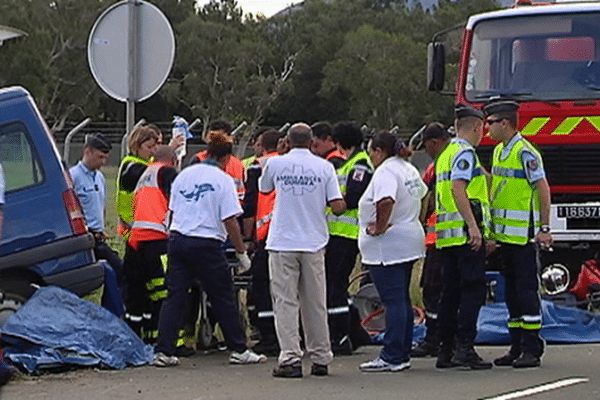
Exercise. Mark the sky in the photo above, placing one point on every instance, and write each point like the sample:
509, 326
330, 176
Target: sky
267, 7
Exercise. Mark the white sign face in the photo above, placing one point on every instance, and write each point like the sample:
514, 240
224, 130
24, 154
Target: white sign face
108, 50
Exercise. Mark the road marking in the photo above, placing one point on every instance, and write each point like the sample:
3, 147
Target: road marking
538, 389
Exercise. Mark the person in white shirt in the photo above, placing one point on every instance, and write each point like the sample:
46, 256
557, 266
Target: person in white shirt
304, 185
391, 239
204, 208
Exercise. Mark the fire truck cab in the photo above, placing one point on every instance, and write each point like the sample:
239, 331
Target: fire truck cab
547, 57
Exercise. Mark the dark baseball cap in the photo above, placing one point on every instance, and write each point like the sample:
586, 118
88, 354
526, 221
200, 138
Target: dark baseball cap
98, 141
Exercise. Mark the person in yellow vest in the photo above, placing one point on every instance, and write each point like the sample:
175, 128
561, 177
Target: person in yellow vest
462, 225
353, 176
435, 139
148, 238
323, 144
258, 210
255, 143
520, 206
142, 144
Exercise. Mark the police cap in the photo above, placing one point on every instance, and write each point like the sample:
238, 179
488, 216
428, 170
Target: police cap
465, 110
98, 141
500, 106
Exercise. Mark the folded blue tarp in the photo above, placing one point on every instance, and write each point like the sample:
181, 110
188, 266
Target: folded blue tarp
559, 324
56, 328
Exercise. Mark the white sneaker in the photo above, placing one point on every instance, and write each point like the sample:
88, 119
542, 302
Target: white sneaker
247, 357
379, 365
163, 360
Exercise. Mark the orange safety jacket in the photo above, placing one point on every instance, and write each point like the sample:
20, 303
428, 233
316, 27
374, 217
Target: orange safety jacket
150, 206
233, 168
264, 205
335, 154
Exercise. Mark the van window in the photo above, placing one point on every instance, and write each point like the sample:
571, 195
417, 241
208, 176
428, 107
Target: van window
21, 168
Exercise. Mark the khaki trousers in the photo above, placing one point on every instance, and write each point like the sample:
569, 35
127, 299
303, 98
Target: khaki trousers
298, 287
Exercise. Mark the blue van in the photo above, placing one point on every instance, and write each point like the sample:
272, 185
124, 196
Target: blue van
44, 239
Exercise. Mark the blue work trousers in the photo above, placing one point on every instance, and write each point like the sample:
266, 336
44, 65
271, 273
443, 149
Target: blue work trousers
193, 258
392, 283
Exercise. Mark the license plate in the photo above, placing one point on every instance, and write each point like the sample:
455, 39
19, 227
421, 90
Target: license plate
578, 212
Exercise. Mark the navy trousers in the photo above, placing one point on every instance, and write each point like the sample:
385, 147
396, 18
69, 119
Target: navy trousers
463, 293
203, 259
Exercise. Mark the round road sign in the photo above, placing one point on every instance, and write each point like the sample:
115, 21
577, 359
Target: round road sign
109, 54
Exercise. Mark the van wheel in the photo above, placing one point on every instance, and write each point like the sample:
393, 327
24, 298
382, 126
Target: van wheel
14, 292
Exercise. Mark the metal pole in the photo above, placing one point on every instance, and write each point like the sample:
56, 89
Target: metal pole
126, 135
132, 77
193, 124
285, 127
72, 132
239, 128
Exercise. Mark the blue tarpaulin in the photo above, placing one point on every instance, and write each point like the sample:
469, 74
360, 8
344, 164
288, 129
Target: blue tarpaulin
560, 324
56, 328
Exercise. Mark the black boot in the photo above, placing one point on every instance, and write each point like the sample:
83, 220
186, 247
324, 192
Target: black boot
467, 357
429, 347
444, 358
515, 349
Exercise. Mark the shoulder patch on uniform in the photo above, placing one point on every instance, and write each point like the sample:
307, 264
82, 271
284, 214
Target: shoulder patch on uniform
532, 165
358, 175
463, 165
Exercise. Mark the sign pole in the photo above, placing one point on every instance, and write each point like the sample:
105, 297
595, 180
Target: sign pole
132, 65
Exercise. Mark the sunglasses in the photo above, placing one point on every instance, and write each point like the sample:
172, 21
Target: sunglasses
493, 121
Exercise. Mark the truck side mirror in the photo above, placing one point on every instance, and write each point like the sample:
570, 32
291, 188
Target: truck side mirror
436, 66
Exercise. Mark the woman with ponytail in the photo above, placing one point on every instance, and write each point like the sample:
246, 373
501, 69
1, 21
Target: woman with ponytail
391, 239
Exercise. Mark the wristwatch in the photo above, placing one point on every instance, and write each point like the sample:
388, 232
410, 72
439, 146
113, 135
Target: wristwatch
545, 228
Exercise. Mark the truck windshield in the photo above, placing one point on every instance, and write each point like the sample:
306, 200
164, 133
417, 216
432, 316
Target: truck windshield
544, 57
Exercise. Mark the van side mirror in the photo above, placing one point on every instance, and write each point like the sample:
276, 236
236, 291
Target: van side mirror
436, 66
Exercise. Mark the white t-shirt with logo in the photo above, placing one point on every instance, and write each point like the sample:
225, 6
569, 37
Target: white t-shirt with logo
202, 197
304, 183
405, 239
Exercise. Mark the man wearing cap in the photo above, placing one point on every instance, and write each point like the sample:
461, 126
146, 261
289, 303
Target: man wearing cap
520, 207
435, 139
462, 208
90, 187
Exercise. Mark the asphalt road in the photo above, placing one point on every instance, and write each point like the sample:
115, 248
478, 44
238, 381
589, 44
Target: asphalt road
209, 376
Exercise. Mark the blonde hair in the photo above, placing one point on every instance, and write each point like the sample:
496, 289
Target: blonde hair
140, 135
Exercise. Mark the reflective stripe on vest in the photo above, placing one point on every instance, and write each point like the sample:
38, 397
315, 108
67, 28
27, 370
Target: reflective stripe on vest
514, 201
450, 226
346, 225
125, 198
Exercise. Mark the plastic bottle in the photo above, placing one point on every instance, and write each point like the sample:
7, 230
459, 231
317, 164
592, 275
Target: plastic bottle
180, 128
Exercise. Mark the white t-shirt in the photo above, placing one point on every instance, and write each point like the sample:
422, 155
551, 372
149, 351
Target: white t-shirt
304, 183
202, 197
405, 239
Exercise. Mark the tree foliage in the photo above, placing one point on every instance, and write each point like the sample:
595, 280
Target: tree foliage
361, 60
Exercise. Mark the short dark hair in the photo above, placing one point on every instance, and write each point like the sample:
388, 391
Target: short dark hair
322, 130
219, 145
220, 125
347, 134
270, 138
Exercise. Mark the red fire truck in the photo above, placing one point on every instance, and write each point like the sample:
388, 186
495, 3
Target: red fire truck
547, 57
